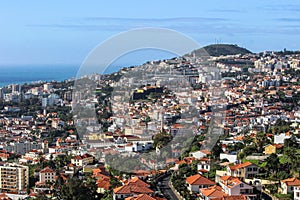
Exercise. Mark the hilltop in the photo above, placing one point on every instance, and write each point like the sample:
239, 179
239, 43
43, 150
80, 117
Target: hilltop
222, 49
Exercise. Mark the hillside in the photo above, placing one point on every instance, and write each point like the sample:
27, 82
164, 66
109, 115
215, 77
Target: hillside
222, 49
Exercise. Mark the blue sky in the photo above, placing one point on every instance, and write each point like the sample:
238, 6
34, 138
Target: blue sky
64, 32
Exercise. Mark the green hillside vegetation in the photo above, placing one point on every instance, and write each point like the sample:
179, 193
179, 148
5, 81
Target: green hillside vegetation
221, 49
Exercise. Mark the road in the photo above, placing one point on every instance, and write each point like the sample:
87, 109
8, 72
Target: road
165, 188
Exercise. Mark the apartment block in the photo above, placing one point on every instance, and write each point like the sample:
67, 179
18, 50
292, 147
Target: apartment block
13, 177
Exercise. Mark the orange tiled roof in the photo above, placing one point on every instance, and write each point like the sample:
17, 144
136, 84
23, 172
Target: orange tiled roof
214, 191
230, 181
291, 182
138, 182
241, 165
199, 180
47, 170
141, 197
103, 183
236, 197
3, 196
132, 189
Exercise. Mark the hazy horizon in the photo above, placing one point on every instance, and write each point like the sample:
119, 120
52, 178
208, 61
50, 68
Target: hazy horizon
59, 33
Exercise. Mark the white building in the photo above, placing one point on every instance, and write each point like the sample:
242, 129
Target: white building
279, 139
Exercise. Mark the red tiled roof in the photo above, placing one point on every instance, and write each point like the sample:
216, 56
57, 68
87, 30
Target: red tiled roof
47, 170
103, 183
138, 182
241, 165
141, 197
291, 182
199, 180
214, 191
132, 189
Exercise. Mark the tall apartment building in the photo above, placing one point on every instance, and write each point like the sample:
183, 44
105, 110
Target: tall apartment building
13, 177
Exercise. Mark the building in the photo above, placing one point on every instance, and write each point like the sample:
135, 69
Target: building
13, 177
20, 147
211, 193
196, 182
83, 160
243, 170
48, 86
233, 186
288, 185
297, 193
133, 187
203, 165
269, 149
47, 175
279, 139
200, 154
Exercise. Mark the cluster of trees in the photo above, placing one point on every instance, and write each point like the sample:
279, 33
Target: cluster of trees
178, 179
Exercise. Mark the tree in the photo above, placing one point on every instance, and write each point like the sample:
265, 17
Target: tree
272, 163
77, 189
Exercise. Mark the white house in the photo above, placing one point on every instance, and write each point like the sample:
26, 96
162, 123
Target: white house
233, 186
231, 157
288, 185
47, 175
196, 182
200, 154
203, 165
243, 170
279, 139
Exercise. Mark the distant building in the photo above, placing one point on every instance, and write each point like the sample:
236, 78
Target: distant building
20, 147
83, 160
15, 88
50, 100
279, 139
48, 86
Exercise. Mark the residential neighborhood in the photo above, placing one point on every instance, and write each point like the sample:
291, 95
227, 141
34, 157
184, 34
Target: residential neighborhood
237, 127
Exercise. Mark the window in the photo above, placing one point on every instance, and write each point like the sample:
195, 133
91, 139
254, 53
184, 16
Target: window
241, 185
255, 169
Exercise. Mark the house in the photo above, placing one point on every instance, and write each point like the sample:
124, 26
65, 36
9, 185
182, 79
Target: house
211, 193
103, 185
3, 196
197, 181
269, 149
200, 154
203, 165
289, 184
297, 193
233, 186
279, 139
144, 197
272, 148
243, 170
230, 157
238, 197
133, 187
83, 160
47, 175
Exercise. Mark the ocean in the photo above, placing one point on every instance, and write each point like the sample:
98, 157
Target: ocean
29, 74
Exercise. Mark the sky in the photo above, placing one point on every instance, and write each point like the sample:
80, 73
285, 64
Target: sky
59, 32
